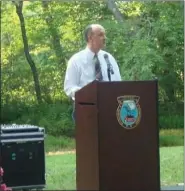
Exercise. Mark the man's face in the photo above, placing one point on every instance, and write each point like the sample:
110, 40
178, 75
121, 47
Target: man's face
97, 38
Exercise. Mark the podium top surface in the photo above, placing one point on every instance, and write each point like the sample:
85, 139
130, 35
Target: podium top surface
92, 91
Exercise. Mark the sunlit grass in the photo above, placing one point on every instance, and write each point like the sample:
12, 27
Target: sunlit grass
61, 169
178, 132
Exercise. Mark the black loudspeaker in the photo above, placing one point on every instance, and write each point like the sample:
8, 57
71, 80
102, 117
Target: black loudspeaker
22, 156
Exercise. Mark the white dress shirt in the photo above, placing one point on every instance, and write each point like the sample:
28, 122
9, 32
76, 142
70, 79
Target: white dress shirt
81, 70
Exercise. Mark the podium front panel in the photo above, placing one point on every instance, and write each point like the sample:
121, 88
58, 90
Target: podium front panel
87, 161
128, 153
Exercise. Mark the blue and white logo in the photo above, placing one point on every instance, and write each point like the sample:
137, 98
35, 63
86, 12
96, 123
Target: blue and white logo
128, 111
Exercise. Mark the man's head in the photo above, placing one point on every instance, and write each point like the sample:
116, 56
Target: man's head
95, 37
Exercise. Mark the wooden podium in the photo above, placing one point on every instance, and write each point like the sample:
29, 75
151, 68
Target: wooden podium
117, 137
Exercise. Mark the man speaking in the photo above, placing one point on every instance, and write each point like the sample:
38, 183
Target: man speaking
90, 64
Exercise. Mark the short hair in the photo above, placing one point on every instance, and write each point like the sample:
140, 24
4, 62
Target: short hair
87, 31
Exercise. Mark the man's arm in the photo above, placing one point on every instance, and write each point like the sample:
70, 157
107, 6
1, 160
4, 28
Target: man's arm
72, 79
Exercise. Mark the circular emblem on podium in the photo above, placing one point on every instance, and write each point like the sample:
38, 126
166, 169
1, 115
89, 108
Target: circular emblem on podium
129, 111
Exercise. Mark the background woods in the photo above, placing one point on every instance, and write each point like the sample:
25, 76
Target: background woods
37, 39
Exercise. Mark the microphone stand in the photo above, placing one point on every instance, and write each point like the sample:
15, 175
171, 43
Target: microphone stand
109, 67
109, 71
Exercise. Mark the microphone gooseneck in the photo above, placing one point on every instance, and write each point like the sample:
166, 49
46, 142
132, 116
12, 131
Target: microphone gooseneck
109, 66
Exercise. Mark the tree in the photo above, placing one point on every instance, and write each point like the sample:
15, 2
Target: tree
53, 32
31, 63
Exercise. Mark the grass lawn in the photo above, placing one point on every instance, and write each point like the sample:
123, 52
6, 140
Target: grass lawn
61, 169
171, 137
168, 138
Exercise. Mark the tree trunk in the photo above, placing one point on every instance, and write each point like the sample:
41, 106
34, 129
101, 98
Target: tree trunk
114, 9
54, 33
19, 6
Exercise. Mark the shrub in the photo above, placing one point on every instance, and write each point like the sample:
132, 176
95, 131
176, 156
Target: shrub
57, 121
171, 140
171, 122
55, 118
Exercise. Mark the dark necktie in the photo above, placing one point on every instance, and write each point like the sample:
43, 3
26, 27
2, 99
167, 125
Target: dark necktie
98, 72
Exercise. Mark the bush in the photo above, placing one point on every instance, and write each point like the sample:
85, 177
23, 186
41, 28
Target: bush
55, 118
171, 140
57, 121
171, 122
171, 115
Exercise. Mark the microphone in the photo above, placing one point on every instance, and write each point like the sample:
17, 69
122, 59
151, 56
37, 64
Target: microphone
109, 65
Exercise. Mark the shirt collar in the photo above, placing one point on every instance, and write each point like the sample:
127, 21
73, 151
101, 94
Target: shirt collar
90, 53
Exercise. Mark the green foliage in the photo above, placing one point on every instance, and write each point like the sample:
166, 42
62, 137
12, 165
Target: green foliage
149, 43
171, 140
55, 118
171, 115
168, 122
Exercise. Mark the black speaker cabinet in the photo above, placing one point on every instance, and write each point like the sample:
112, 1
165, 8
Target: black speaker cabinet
23, 156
